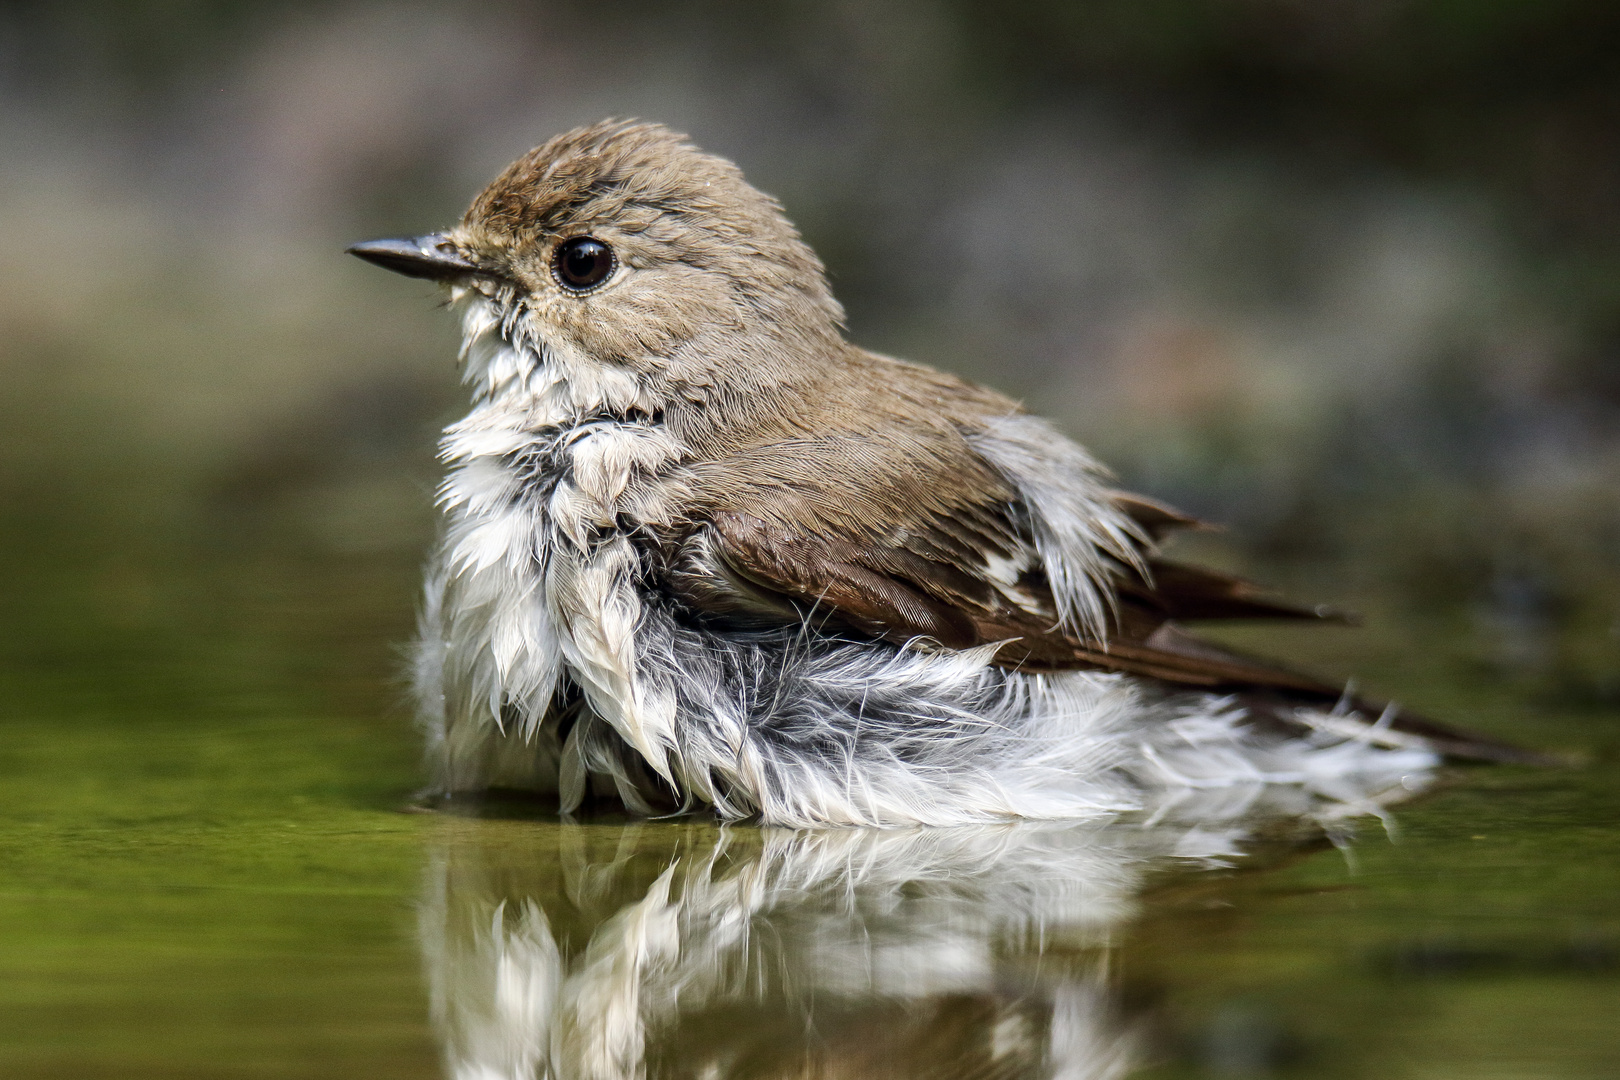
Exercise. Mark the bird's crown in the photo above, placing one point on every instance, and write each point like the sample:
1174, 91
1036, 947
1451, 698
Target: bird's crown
655, 203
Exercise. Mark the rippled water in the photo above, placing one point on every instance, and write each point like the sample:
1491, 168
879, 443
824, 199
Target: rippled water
210, 870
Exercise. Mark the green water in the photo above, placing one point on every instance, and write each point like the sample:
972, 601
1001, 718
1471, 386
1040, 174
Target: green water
208, 872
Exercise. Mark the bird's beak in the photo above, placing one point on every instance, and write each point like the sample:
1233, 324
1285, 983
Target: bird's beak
433, 256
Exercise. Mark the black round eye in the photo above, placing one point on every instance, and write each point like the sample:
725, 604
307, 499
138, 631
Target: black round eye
582, 263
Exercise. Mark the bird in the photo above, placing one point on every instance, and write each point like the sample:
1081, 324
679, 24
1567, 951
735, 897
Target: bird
700, 553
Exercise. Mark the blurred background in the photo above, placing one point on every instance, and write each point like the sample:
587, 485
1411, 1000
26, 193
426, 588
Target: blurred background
1343, 274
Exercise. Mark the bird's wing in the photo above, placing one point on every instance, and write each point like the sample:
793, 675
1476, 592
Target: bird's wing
894, 550
945, 572
956, 564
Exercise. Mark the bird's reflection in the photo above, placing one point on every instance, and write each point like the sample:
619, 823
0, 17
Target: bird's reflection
687, 950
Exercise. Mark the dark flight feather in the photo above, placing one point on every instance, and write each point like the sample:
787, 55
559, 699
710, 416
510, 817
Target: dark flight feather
932, 580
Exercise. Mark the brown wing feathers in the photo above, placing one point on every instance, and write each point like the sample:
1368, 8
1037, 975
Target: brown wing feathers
923, 540
928, 581
867, 588
931, 578
1177, 591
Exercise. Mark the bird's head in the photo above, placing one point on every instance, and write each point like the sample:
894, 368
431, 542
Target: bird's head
621, 244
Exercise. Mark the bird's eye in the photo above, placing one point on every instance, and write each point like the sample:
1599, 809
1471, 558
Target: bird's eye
582, 263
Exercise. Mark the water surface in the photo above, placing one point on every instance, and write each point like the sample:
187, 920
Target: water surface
210, 870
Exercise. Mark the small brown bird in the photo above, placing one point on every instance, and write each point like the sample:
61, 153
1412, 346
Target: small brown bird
700, 549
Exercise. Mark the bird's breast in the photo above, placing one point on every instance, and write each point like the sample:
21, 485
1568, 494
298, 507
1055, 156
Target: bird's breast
572, 482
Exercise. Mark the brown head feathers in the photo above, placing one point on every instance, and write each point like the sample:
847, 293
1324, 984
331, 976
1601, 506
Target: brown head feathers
698, 251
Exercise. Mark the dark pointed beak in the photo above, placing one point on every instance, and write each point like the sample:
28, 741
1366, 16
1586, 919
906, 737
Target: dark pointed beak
432, 256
